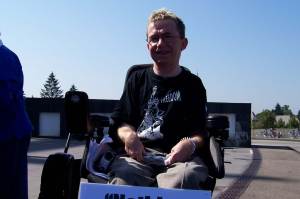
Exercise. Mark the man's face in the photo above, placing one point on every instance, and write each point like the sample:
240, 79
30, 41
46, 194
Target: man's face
164, 42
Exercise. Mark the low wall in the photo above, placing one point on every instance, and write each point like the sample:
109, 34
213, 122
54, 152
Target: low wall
47, 115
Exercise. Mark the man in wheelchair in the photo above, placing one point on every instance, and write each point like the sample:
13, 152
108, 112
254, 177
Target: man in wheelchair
161, 133
160, 119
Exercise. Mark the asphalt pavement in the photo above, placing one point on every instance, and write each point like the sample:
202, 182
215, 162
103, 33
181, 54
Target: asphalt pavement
242, 164
278, 175
259, 173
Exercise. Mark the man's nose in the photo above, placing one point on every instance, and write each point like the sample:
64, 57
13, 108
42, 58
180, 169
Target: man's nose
161, 41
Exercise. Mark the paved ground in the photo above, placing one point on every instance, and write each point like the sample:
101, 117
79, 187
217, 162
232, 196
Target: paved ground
278, 175
273, 172
242, 164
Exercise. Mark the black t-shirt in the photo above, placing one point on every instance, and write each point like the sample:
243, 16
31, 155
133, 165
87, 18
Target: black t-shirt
163, 110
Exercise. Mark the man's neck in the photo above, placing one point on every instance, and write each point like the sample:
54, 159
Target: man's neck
166, 71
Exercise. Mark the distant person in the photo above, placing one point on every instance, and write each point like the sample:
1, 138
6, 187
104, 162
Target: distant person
15, 128
161, 115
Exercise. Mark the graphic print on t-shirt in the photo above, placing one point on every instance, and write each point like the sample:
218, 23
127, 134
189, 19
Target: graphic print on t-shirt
153, 119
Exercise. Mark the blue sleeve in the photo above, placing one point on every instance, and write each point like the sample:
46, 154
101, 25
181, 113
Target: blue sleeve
6, 96
11, 82
14, 121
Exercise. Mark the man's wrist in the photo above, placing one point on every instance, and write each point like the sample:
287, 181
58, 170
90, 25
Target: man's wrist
192, 142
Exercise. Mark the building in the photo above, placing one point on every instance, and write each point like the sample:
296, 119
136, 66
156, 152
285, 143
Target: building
284, 118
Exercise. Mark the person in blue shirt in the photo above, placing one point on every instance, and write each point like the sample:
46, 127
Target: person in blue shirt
15, 128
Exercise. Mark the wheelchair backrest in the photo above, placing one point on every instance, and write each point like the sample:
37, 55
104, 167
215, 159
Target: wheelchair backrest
76, 112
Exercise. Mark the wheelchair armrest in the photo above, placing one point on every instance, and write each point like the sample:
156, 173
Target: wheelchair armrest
217, 126
98, 126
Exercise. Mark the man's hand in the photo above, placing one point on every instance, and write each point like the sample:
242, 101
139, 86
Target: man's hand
133, 145
181, 152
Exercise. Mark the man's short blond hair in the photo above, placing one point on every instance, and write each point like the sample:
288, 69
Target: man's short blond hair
162, 14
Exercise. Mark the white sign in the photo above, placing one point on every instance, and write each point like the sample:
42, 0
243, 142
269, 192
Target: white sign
106, 191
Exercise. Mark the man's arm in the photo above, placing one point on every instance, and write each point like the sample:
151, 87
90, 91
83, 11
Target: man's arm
133, 145
196, 116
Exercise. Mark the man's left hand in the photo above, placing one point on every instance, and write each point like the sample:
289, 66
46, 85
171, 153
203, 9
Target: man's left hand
181, 152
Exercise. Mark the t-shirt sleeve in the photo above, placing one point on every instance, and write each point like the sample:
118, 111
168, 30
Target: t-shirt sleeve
126, 109
196, 116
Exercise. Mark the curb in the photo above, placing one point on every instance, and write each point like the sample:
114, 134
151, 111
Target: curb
277, 139
276, 147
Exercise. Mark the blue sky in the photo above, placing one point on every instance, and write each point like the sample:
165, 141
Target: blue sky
244, 51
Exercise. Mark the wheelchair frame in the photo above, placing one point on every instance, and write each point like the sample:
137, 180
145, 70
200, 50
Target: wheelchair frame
81, 125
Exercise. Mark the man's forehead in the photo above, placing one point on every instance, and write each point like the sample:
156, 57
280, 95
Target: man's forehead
162, 26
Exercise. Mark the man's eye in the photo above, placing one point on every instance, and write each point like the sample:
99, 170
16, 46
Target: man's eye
154, 39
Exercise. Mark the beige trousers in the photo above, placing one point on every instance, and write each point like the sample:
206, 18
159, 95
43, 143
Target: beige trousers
184, 175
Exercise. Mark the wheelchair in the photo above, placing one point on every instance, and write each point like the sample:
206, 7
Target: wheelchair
93, 127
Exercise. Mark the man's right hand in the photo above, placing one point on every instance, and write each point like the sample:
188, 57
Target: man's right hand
133, 145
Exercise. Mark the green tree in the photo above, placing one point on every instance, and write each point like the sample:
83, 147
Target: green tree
286, 110
293, 123
298, 115
73, 88
265, 119
278, 110
51, 88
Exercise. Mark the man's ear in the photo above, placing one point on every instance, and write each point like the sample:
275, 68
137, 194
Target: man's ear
148, 46
184, 43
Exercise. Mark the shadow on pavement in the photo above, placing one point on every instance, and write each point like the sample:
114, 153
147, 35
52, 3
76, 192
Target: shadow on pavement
265, 178
275, 147
36, 160
44, 144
